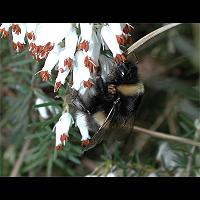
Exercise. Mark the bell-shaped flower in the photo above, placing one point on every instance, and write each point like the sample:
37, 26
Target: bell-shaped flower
117, 29
51, 32
86, 34
92, 55
110, 39
50, 62
31, 31
18, 33
80, 72
81, 122
167, 156
4, 29
67, 55
60, 80
48, 35
62, 128
42, 110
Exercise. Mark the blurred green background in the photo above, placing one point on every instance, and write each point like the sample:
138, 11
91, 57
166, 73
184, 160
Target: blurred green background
169, 67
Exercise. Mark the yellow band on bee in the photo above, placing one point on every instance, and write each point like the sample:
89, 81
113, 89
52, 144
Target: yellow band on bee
100, 117
131, 89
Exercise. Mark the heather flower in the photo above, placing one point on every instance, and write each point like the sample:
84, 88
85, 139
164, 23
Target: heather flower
70, 48
62, 128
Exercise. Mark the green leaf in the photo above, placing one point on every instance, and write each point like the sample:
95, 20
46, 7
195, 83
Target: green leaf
74, 159
50, 166
35, 164
36, 135
51, 103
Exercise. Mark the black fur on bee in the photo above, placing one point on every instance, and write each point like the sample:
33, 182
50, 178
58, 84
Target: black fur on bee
112, 103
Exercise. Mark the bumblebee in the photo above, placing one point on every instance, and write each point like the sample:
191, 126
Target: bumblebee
111, 105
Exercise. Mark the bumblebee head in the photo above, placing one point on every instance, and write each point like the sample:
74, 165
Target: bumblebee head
124, 73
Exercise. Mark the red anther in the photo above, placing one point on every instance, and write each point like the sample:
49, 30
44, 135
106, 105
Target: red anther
29, 35
129, 40
90, 63
85, 143
68, 63
61, 70
83, 45
44, 74
120, 58
16, 29
121, 39
59, 147
14, 45
20, 46
4, 32
88, 84
57, 86
127, 29
64, 137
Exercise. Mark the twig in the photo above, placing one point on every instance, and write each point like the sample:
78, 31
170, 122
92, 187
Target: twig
149, 36
191, 156
166, 136
190, 162
20, 160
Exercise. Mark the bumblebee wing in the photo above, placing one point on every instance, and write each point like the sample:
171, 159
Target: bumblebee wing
99, 135
96, 139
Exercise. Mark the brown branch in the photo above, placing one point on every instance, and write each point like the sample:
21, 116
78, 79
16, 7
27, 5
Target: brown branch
165, 136
20, 160
149, 36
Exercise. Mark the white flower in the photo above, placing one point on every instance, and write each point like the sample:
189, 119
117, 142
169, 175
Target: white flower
60, 80
166, 156
82, 125
4, 29
111, 174
51, 32
92, 55
152, 174
117, 29
86, 31
19, 33
42, 110
61, 128
53, 110
50, 62
110, 40
67, 55
86, 34
31, 31
47, 36
80, 72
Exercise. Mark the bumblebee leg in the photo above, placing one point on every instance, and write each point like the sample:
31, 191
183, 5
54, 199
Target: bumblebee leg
77, 102
112, 89
105, 91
